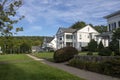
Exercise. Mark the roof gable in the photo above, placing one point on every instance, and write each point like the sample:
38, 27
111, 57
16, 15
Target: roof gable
88, 29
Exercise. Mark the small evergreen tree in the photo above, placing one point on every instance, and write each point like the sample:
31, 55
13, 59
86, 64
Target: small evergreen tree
100, 46
92, 45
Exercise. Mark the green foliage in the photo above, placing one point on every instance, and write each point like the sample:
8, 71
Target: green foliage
114, 44
105, 52
90, 53
101, 28
64, 54
110, 67
92, 45
7, 13
25, 48
100, 46
21, 67
12, 44
78, 25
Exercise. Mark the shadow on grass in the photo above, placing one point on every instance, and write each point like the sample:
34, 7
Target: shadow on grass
32, 71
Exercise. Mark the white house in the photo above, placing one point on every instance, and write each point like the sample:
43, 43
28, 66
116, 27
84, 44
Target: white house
113, 21
76, 38
49, 42
64, 37
83, 36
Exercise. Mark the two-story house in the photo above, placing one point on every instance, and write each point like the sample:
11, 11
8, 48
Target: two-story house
77, 38
64, 37
83, 36
113, 21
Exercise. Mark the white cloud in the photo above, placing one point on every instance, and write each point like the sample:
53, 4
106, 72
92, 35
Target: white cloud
51, 12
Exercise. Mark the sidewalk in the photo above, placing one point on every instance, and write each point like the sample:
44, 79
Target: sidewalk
78, 72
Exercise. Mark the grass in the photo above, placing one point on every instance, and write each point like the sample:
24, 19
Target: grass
49, 55
85, 53
45, 55
31, 70
13, 57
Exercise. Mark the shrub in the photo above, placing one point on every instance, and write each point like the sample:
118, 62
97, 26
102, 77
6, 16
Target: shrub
64, 54
100, 46
77, 63
92, 46
89, 53
105, 52
110, 67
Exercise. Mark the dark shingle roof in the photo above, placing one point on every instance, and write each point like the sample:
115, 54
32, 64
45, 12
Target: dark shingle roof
68, 30
104, 34
113, 14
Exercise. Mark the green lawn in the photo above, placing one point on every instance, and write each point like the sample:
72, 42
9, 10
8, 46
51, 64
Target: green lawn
29, 69
85, 53
45, 55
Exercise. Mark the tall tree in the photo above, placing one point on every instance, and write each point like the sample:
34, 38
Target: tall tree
101, 28
8, 10
114, 44
78, 25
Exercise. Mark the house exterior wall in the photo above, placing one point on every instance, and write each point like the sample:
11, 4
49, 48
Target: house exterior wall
105, 41
62, 40
53, 44
83, 37
113, 22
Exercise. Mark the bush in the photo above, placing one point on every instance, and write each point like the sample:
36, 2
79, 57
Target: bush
92, 46
64, 54
89, 53
110, 67
100, 46
105, 52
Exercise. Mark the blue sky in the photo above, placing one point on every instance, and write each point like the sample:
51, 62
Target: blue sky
44, 17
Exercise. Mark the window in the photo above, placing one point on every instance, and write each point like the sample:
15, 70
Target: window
80, 36
88, 29
114, 25
80, 44
109, 27
69, 36
60, 38
119, 24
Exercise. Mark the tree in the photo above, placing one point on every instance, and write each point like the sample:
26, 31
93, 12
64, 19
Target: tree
114, 44
101, 28
92, 45
8, 10
25, 47
100, 46
78, 25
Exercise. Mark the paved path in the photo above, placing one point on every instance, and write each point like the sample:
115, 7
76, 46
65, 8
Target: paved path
78, 72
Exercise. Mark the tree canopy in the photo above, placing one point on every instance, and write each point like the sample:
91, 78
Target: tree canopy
78, 25
101, 28
8, 14
81, 24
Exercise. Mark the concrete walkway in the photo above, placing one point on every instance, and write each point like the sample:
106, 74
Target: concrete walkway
78, 72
